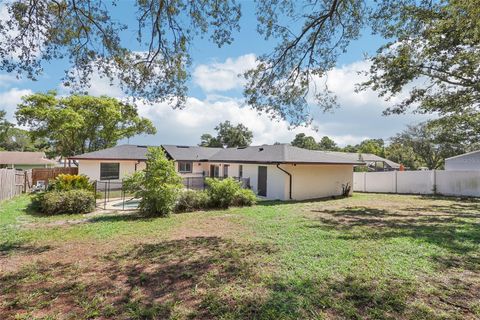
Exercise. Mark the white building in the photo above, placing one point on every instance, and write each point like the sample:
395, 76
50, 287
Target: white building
464, 162
279, 172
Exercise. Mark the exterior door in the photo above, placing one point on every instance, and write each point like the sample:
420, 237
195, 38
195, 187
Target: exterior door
262, 181
214, 171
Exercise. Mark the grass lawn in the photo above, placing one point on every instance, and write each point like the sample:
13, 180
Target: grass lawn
370, 256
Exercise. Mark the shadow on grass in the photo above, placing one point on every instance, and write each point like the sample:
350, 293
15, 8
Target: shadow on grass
458, 233
8, 248
267, 203
196, 278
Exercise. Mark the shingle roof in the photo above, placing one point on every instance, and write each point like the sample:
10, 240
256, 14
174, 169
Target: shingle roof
121, 152
282, 153
190, 153
18, 157
366, 157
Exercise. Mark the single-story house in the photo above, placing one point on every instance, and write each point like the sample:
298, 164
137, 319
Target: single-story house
25, 160
274, 171
465, 162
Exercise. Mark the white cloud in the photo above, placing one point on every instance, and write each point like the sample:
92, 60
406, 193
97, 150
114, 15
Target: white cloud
223, 76
201, 116
9, 100
359, 116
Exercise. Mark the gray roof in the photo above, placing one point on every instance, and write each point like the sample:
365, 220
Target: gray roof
121, 152
365, 157
19, 157
464, 155
190, 153
282, 153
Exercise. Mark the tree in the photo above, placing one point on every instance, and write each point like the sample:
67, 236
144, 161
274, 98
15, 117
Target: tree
5, 127
428, 143
207, 140
435, 55
306, 142
373, 146
327, 144
403, 154
79, 123
437, 40
158, 186
84, 32
228, 135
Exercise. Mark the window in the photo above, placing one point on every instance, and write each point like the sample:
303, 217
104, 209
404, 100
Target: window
225, 170
184, 166
240, 171
109, 171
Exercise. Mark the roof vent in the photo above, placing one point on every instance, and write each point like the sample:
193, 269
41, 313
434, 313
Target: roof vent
260, 149
142, 147
184, 147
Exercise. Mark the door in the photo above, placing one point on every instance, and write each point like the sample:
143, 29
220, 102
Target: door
212, 171
262, 181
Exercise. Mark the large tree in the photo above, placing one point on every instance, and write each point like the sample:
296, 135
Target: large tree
327, 144
434, 56
79, 123
433, 40
428, 142
5, 127
228, 135
301, 140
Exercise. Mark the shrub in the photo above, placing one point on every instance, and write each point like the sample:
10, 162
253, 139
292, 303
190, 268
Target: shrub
60, 202
66, 182
222, 192
158, 186
191, 200
244, 197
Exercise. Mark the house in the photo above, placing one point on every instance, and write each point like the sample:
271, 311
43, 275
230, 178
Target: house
465, 162
372, 161
274, 171
25, 160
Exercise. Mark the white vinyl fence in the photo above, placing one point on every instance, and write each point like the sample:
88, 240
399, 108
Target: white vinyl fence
454, 183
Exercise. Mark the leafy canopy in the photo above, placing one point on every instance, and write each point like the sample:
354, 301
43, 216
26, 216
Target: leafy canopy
433, 48
301, 140
78, 123
228, 135
428, 143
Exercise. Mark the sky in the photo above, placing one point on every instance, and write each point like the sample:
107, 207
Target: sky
215, 93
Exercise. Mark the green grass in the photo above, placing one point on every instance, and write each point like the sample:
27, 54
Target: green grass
370, 256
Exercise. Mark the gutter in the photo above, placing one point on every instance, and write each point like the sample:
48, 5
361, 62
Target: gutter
290, 181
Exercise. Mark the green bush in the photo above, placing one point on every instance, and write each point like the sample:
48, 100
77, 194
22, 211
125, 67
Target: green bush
158, 186
66, 182
244, 197
62, 202
191, 200
222, 192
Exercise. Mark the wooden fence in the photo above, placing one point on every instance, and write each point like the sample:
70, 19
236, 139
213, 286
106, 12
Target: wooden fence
46, 174
13, 182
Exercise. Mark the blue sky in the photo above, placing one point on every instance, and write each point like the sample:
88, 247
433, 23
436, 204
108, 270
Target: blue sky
215, 92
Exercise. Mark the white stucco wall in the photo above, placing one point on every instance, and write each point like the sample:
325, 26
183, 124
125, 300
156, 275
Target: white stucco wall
319, 181
470, 161
91, 168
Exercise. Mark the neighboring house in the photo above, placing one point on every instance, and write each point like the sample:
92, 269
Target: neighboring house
464, 162
25, 160
372, 161
275, 171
